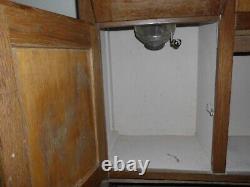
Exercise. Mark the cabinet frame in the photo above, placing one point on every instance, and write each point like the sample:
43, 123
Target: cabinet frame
225, 13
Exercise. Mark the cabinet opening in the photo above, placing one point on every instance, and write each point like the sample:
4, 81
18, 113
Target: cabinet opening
159, 104
238, 159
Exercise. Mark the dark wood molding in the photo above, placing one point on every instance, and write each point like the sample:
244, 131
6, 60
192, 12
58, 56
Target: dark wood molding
123, 10
85, 11
94, 180
242, 34
223, 87
243, 21
183, 176
179, 21
242, 44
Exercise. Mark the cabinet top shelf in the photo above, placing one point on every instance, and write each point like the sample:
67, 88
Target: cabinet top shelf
123, 10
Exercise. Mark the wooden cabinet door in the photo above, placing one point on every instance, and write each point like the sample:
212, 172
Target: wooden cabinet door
51, 101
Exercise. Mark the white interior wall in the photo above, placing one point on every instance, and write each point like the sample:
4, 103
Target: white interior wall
240, 98
65, 7
140, 82
238, 152
153, 92
207, 55
112, 135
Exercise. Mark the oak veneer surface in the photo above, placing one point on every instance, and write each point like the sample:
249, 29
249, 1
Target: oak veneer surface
242, 35
85, 11
124, 10
55, 93
243, 6
32, 27
242, 44
14, 160
243, 21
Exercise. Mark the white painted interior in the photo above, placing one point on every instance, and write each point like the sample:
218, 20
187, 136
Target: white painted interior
164, 152
65, 7
156, 100
240, 98
154, 92
112, 134
238, 159
207, 55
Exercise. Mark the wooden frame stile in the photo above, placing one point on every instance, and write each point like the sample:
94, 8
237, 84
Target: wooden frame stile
223, 87
99, 117
86, 13
98, 103
14, 159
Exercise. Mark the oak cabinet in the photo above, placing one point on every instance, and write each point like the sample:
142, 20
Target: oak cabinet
54, 70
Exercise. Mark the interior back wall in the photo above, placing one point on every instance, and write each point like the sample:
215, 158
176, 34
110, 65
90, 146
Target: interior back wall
153, 92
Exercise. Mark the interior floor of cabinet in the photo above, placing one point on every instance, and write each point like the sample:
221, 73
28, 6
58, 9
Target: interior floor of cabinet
164, 152
238, 156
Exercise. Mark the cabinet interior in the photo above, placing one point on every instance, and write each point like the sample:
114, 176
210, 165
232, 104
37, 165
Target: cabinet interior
157, 102
238, 159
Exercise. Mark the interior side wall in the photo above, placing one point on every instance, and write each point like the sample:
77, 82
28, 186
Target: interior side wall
152, 92
112, 135
240, 102
206, 83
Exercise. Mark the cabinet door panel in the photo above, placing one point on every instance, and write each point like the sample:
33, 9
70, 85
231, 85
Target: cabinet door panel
51, 114
55, 93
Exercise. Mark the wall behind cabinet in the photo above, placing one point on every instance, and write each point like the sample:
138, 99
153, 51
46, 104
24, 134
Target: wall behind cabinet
65, 7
